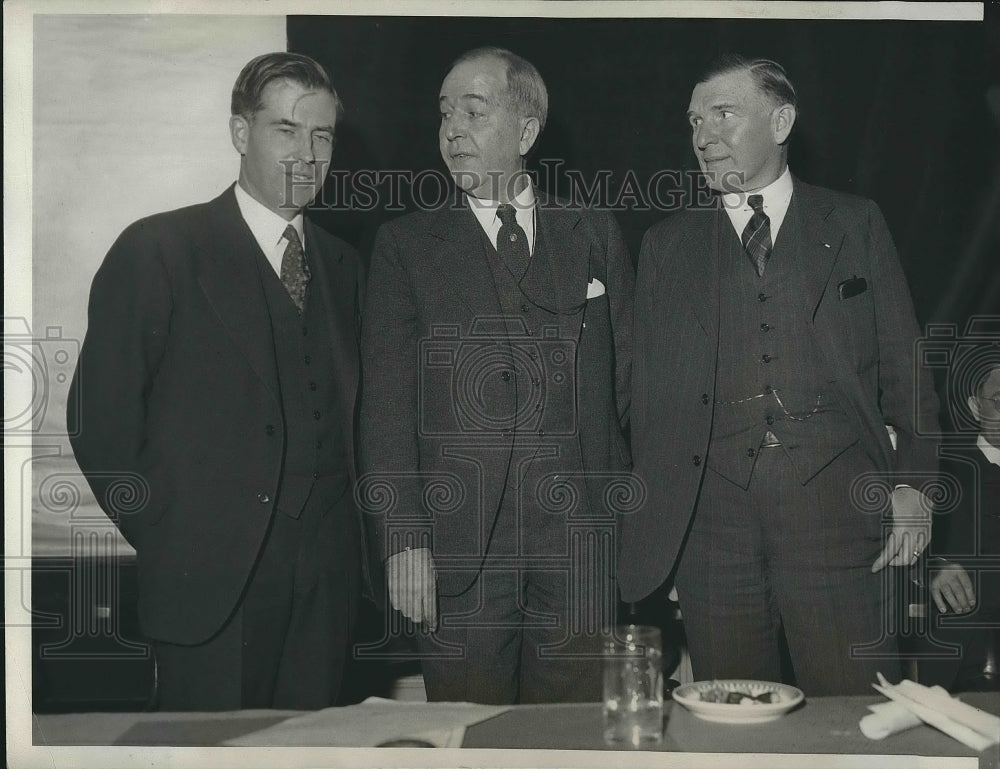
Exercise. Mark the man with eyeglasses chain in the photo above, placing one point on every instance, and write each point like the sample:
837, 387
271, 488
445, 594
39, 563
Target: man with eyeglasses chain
774, 343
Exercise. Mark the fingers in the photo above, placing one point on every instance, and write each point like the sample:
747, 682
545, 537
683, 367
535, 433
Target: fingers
953, 588
412, 586
903, 547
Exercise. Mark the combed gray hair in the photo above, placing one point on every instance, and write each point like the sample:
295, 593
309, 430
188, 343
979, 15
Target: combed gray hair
526, 92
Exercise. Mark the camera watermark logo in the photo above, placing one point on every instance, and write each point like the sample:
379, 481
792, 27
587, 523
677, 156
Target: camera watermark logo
37, 374
498, 379
960, 360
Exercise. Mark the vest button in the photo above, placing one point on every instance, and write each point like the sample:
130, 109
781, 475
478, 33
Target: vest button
316, 415
505, 376
307, 359
696, 460
769, 420
765, 358
761, 297
525, 308
263, 498
269, 429
704, 398
751, 453
312, 385
541, 433
315, 476
764, 327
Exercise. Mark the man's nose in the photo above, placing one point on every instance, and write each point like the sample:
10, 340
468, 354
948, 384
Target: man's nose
454, 127
304, 150
704, 135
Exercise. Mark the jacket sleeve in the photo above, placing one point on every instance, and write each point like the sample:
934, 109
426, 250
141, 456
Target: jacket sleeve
906, 390
621, 289
389, 488
128, 326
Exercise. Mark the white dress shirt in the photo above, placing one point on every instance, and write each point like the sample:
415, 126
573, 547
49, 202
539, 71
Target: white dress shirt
524, 212
777, 195
991, 452
267, 227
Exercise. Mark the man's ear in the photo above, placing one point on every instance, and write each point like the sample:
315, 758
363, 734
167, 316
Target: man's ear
530, 128
973, 403
782, 120
239, 132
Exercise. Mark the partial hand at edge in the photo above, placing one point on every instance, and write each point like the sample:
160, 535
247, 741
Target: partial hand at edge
911, 529
951, 587
413, 585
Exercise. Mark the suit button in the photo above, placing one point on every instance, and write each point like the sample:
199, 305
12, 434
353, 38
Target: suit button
765, 358
315, 476
704, 398
769, 420
312, 385
764, 327
263, 498
525, 308
316, 415
541, 433
269, 429
307, 359
536, 381
761, 297
505, 376
696, 460
751, 453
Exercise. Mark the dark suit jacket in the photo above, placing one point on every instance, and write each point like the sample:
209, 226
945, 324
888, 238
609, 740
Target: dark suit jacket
866, 341
428, 275
181, 426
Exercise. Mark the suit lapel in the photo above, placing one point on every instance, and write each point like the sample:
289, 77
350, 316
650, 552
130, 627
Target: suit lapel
338, 290
567, 252
822, 240
700, 244
459, 261
228, 275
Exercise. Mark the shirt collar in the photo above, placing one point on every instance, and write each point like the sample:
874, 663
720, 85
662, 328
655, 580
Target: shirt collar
991, 452
267, 227
777, 195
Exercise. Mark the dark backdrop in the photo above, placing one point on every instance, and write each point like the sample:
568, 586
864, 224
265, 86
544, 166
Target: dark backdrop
906, 113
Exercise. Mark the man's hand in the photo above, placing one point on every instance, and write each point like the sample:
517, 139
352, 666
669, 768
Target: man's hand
911, 529
413, 585
952, 587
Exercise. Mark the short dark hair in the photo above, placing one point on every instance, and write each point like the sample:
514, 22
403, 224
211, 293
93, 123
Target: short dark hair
280, 65
526, 91
769, 76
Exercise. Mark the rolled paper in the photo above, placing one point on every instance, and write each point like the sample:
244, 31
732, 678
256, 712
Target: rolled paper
887, 718
968, 737
935, 697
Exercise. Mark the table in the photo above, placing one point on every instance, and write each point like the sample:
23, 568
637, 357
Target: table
823, 725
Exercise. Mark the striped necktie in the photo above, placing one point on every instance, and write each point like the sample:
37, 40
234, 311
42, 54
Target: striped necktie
757, 234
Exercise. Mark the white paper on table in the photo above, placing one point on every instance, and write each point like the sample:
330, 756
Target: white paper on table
935, 697
968, 737
374, 721
887, 718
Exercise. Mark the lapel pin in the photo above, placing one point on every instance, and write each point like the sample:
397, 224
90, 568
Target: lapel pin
826, 245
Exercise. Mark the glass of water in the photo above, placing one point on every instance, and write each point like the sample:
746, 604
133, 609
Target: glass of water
633, 686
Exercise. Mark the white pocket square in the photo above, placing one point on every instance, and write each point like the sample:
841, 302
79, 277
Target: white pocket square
595, 288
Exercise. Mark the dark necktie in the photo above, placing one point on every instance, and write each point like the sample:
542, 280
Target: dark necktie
294, 270
757, 234
512, 243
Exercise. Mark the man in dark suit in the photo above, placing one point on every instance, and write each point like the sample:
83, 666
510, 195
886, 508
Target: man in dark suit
774, 336
217, 386
964, 580
496, 355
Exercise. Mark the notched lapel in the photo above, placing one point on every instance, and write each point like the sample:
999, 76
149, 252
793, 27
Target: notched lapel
568, 250
227, 273
456, 259
822, 245
697, 277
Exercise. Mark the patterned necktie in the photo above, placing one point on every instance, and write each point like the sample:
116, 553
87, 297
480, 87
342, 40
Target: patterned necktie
757, 234
512, 243
294, 270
